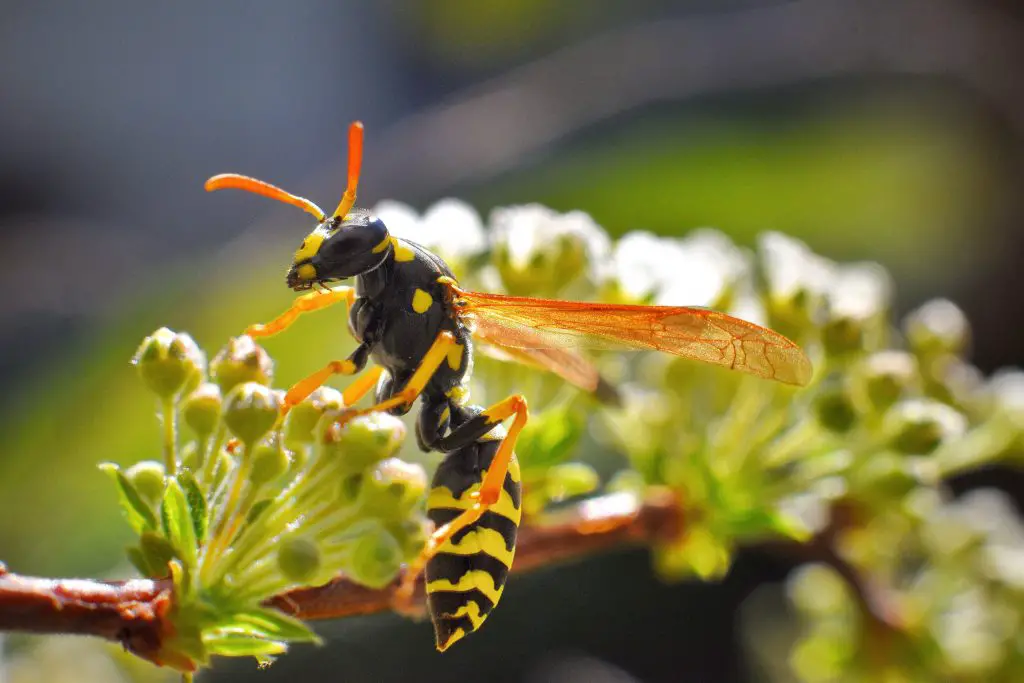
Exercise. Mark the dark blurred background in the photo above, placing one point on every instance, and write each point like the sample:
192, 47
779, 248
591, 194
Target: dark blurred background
890, 130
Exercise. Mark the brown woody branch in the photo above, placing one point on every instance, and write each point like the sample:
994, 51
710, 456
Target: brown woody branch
133, 612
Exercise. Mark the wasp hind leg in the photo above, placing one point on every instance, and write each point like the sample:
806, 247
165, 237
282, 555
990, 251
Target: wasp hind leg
313, 301
476, 506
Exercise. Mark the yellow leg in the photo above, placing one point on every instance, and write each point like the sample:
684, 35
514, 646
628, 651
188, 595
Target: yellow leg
304, 304
362, 386
304, 387
436, 354
488, 494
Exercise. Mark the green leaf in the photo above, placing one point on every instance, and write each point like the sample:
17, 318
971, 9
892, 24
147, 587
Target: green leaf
181, 576
139, 560
196, 503
177, 522
140, 515
274, 625
158, 552
551, 438
239, 645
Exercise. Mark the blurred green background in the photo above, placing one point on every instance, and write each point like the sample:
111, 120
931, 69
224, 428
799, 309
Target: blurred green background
890, 131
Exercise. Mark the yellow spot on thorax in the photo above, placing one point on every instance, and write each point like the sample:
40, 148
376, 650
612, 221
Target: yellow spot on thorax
382, 246
402, 252
421, 301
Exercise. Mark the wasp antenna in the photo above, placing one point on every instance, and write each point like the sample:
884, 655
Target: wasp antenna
241, 182
355, 162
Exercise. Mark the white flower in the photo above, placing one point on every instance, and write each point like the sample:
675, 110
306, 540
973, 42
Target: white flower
450, 227
532, 229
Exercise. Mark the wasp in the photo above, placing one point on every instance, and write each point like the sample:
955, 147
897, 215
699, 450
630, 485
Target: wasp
418, 327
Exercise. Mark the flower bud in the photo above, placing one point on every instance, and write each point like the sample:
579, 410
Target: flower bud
938, 327
833, 406
148, 478
242, 360
201, 409
363, 440
303, 418
918, 426
375, 558
269, 461
250, 410
298, 558
412, 535
885, 377
391, 488
168, 361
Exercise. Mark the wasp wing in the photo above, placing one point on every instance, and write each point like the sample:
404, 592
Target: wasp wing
564, 362
549, 325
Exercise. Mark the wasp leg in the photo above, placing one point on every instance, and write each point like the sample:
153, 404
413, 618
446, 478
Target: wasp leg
489, 493
304, 304
350, 366
436, 354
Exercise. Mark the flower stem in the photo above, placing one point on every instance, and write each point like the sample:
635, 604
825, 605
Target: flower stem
170, 437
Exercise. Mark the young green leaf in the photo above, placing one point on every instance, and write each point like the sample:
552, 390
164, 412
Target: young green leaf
196, 503
178, 524
140, 515
239, 645
274, 625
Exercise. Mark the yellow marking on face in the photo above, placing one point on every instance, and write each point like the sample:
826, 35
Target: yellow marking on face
445, 414
441, 497
382, 246
306, 272
311, 245
455, 356
513, 470
475, 579
402, 252
421, 301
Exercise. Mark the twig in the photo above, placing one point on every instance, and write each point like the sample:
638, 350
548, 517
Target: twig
132, 612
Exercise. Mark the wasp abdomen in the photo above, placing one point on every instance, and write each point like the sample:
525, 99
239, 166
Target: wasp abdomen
466, 578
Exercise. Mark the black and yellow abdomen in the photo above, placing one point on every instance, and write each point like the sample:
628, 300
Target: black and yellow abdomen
466, 578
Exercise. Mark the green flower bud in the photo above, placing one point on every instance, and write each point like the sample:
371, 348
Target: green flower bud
250, 410
412, 535
269, 461
391, 488
349, 488
570, 479
303, 418
883, 378
167, 361
858, 298
833, 406
363, 440
242, 360
201, 409
298, 558
842, 335
375, 558
148, 478
938, 327
918, 426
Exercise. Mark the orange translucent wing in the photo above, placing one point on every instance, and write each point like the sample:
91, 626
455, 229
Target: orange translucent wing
565, 363
700, 334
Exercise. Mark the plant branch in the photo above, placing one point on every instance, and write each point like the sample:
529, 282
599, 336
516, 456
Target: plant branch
132, 612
